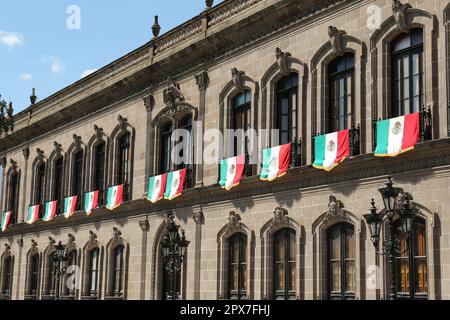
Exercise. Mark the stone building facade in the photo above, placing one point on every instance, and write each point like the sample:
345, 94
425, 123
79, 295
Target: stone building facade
302, 236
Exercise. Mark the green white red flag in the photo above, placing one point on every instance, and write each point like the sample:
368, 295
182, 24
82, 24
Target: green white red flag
70, 206
276, 161
115, 197
231, 171
397, 135
50, 211
175, 184
33, 214
156, 188
6, 218
331, 149
91, 201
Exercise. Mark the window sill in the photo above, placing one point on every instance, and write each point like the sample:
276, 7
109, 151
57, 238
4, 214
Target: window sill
117, 298
4, 297
30, 297
90, 297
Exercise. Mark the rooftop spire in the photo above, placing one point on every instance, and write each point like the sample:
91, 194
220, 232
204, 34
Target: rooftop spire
156, 28
33, 97
209, 3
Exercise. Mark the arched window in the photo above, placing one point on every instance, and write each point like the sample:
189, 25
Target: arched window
286, 108
13, 199
118, 271
166, 148
51, 283
341, 262
341, 73
186, 124
237, 266
33, 275
123, 166
411, 266
40, 189
241, 115
94, 271
69, 288
284, 264
77, 177
171, 282
407, 73
58, 183
7, 276
99, 170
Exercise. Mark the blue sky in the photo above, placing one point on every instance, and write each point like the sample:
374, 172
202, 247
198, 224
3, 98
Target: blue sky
38, 49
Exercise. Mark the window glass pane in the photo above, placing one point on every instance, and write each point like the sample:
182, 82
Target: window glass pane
335, 276
350, 276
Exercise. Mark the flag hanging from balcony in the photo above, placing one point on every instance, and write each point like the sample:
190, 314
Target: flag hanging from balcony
50, 211
397, 135
231, 171
276, 161
6, 218
331, 149
91, 201
33, 214
115, 197
70, 206
175, 184
156, 188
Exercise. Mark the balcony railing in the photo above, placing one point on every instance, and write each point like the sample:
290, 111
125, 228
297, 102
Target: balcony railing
296, 153
355, 140
189, 179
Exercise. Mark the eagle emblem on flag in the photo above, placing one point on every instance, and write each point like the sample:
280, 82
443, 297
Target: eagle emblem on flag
397, 128
331, 146
232, 169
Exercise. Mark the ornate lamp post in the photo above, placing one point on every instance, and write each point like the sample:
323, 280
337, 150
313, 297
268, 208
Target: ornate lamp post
6, 116
174, 248
398, 207
59, 259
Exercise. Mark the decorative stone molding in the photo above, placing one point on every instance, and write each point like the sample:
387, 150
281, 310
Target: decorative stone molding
335, 209
144, 225
33, 244
400, 13
76, 141
7, 248
98, 131
233, 8
26, 153
13, 165
280, 217
172, 94
169, 216
238, 79
3, 162
234, 220
149, 102
122, 122
57, 148
198, 217
92, 237
40, 155
337, 40
20, 243
202, 80
51, 242
70, 240
283, 61
173, 38
116, 233
174, 110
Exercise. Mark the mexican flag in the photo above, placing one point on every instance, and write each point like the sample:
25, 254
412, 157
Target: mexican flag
175, 184
6, 218
397, 135
276, 161
50, 211
91, 201
33, 214
231, 171
156, 188
115, 197
331, 149
70, 206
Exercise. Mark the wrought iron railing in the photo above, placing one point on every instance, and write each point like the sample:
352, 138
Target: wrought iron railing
296, 153
189, 180
355, 140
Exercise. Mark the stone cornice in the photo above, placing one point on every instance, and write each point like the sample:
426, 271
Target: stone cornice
426, 156
148, 55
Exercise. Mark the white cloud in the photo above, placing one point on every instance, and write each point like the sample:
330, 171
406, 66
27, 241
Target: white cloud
26, 77
56, 65
11, 39
87, 72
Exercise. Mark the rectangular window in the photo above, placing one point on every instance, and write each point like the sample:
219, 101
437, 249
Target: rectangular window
58, 184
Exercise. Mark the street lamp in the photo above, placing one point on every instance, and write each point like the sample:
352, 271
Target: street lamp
398, 208
174, 248
59, 258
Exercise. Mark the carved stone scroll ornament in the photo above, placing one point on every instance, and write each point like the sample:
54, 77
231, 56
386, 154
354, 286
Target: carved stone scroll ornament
234, 220
400, 12
98, 131
280, 218
172, 94
116, 233
92, 237
238, 79
283, 61
122, 122
337, 40
335, 209
202, 80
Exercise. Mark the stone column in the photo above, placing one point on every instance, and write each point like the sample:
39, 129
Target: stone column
19, 270
199, 220
149, 103
23, 188
145, 227
202, 82
2, 183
